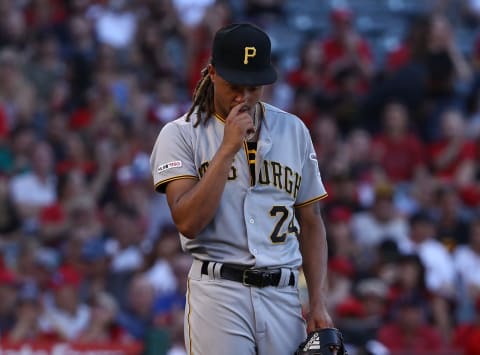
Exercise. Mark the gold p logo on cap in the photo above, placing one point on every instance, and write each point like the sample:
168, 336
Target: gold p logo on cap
250, 52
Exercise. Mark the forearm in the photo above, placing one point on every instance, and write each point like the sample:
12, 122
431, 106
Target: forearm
203, 198
313, 246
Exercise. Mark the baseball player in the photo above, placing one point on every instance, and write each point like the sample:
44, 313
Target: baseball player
243, 185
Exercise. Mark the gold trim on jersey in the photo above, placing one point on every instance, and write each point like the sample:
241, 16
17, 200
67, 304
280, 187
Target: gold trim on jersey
164, 182
188, 318
318, 198
218, 117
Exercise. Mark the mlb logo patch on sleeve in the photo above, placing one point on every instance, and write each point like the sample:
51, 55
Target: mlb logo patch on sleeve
164, 167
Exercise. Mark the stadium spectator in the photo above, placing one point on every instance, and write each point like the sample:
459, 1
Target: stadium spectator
397, 149
96, 268
327, 142
446, 71
341, 275
169, 305
36, 264
8, 295
410, 281
35, 189
165, 105
412, 48
14, 30
83, 217
343, 188
67, 317
438, 264
339, 233
467, 259
452, 156
81, 54
45, 68
310, 70
17, 94
137, 316
115, 24
192, 12
409, 331
451, 217
123, 241
382, 221
158, 263
360, 316
360, 162
304, 106
102, 327
45, 16
26, 327
344, 49
10, 221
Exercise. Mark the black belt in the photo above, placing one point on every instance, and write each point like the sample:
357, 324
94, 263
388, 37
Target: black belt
250, 277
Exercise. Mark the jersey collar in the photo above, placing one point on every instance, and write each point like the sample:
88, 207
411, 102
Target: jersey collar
219, 117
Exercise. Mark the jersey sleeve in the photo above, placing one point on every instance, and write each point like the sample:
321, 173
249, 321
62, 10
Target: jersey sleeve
172, 157
311, 186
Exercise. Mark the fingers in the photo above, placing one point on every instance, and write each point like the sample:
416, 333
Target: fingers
239, 108
319, 321
238, 125
239, 120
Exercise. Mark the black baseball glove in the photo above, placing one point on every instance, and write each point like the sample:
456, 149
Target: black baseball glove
327, 341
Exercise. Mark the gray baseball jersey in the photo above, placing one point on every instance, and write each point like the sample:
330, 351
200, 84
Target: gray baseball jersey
255, 222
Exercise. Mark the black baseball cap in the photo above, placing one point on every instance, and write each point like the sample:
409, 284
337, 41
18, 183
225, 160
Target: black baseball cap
241, 55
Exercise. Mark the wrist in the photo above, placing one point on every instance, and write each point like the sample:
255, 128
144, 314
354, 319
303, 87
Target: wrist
226, 152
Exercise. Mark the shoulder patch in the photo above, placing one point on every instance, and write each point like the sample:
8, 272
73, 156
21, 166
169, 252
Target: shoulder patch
170, 165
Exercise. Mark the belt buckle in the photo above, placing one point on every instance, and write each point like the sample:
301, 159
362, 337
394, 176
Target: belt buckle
256, 278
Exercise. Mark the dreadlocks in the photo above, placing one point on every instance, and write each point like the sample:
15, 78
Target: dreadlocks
203, 98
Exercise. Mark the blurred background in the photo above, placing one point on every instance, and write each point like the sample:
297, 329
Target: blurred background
390, 90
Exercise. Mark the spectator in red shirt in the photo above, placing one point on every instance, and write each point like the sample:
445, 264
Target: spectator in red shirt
309, 73
397, 149
453, 155
77, 156
409, 332
344, 50
413, 47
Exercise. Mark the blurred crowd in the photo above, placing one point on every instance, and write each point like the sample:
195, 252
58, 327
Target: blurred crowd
89, 253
